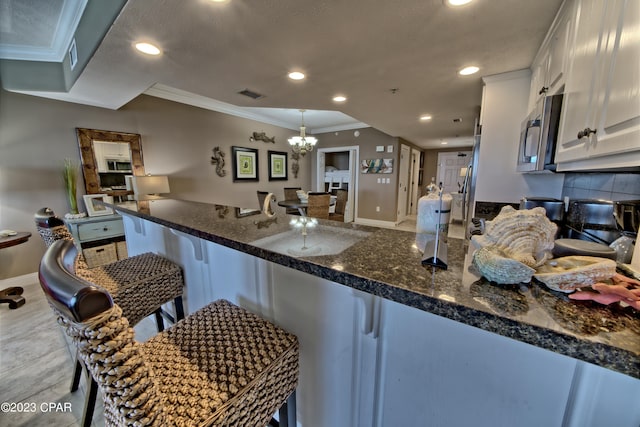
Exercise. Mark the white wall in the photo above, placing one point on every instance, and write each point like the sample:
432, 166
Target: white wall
504, 106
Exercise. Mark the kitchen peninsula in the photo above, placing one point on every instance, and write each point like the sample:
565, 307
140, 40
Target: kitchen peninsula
386, 341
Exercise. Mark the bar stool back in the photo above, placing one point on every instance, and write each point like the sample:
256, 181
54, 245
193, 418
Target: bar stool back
140, 285
220, 366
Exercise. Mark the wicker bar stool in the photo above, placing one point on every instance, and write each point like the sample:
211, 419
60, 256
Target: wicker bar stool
140, 285
219, 366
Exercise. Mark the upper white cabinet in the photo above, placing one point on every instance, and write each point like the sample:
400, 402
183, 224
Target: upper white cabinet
600, 126
105, 151
548, 71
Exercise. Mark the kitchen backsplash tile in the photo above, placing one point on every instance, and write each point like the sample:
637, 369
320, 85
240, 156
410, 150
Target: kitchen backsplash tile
607, 186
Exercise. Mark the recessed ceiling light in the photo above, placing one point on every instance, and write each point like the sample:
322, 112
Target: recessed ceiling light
339, 98
296, 75
219, 1
468, 70
458, 2
425, 117
444, 143
148, 48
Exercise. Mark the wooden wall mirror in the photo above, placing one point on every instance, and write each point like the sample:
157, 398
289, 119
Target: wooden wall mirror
107, 157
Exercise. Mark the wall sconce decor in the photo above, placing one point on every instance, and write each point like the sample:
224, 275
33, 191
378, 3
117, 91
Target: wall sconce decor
218, 160
262, 136
295, 167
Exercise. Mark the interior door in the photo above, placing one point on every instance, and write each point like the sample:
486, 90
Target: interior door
450, 168
403, 179
415, 178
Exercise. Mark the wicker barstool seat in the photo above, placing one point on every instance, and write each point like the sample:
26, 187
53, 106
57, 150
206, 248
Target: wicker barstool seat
221, 366
139, 285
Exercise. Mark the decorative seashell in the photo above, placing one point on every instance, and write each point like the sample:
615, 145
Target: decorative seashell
566, 274
497, 266
526, 235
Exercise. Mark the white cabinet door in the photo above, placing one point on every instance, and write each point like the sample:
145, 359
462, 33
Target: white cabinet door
619, 97
548, 72
538, 79
558, 51
579, 109
437, 372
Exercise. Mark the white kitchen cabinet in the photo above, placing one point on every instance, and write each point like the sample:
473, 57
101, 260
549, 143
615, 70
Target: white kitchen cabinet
619, 98
370, 362
601, 113
104, 151
548, 71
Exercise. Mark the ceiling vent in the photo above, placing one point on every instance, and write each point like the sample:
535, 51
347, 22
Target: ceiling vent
251, 94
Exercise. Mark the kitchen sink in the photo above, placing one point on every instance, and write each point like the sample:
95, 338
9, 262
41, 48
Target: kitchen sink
320, 240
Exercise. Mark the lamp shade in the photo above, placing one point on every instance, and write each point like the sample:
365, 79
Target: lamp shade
150, 186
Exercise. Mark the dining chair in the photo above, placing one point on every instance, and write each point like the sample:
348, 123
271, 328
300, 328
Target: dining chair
318, 205
290, 194
341, 204
221, 365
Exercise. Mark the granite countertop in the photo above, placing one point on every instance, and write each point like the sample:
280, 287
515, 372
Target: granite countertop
387, 263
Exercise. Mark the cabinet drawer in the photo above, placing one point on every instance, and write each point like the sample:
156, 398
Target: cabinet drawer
100, 230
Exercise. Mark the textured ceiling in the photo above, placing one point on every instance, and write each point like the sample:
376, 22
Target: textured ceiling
360, 48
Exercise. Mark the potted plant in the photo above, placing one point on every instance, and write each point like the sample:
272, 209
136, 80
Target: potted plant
70, 176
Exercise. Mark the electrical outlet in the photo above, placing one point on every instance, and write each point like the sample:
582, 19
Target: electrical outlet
388, 180
377, 208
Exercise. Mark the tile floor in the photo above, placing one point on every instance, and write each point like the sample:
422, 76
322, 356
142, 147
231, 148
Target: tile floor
36, 363
36, 360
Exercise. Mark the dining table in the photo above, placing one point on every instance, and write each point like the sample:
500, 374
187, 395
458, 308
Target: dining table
300, 204
13, 294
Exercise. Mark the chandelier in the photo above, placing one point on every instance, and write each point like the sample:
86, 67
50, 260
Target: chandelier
303, 143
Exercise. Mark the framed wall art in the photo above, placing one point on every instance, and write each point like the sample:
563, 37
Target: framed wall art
376, 166
277, 165
245, 164
97, 209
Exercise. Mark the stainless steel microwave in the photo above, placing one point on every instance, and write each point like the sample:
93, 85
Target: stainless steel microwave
116, 165
538, 136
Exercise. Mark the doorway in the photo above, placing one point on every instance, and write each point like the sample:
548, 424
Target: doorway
403, 181
337, 168
414, 183
452, 169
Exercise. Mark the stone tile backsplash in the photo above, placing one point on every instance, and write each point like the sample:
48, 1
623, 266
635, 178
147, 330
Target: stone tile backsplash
606, 186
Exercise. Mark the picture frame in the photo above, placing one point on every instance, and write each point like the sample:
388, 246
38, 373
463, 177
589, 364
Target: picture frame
97, 209
242, 212
278, 166
245, 164
376, 166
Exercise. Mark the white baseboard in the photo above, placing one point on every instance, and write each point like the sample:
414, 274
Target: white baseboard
25, 279
375, 222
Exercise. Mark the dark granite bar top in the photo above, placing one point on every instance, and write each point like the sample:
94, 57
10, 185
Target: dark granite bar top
387, 263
